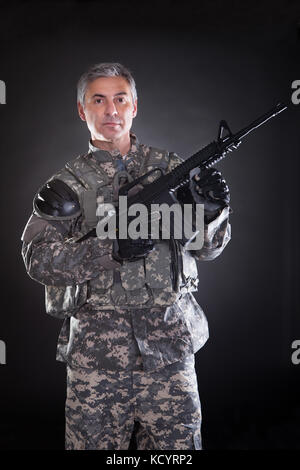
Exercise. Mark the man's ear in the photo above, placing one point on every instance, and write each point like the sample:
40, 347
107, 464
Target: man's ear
81, 111
134, 108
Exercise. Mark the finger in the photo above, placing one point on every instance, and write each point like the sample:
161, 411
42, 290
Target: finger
213, 184
204, 173
216, 176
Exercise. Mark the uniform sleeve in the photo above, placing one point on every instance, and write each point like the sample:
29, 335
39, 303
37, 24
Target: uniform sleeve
216, 236
53, 258
217, 233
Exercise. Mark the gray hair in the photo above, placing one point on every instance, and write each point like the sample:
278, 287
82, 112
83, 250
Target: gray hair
105, 69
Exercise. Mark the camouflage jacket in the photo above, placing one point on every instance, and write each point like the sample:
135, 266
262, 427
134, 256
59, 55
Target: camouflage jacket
81, 279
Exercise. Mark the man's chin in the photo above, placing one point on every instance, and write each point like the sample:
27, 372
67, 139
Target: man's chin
110, 134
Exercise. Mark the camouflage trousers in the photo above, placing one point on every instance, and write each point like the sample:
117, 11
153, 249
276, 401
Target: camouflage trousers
103, 406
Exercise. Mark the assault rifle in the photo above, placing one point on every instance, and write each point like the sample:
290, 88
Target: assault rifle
159, 191
162, 189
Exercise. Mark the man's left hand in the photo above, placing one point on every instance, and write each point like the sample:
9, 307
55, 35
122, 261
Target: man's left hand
210, 189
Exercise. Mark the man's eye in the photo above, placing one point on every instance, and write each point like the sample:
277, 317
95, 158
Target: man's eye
121, 100
99, 100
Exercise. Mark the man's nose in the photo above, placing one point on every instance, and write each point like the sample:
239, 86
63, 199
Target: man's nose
111, 108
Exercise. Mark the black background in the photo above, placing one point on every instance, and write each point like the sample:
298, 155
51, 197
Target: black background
193, 65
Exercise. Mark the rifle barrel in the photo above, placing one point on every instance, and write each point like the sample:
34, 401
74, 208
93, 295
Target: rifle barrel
217, 150
261, 120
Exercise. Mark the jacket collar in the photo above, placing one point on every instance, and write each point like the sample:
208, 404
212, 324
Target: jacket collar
108, 156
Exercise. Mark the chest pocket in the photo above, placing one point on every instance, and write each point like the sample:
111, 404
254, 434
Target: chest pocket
148, 281
158, 275
132, 277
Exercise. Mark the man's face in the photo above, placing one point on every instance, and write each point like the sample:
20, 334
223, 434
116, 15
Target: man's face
108, 108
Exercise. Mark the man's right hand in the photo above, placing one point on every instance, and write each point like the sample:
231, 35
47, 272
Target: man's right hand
129, 249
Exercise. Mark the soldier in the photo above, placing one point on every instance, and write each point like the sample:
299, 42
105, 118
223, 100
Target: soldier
129, 333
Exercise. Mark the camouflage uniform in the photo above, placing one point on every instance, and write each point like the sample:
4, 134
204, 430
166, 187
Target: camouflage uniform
102, 406
128, 336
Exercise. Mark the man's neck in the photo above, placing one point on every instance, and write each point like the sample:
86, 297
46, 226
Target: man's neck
122, 145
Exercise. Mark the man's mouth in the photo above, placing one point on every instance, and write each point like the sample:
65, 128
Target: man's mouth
111, 123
